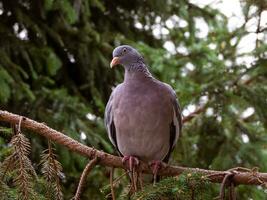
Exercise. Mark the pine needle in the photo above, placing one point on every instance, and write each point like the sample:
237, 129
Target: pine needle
52, 171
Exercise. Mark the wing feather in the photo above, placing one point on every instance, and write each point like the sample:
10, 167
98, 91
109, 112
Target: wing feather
176, 124
109, 123
108, 115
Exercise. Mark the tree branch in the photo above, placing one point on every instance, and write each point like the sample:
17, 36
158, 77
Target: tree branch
193, 114
246, 178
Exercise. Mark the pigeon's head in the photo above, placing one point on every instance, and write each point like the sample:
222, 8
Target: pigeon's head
125, 55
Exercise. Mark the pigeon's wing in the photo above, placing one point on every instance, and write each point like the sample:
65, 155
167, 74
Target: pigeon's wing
176, 124
109, 122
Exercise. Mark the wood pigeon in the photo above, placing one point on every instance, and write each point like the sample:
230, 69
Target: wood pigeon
142, 117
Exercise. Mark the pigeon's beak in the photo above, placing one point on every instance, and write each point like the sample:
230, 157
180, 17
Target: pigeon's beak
115, 61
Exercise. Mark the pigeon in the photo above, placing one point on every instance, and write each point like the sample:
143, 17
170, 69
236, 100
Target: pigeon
142, 117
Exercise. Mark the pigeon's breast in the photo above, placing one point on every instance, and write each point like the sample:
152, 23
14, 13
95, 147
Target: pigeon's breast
142, 117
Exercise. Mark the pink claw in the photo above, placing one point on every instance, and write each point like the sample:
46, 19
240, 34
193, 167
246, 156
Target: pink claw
132, 162
156, 165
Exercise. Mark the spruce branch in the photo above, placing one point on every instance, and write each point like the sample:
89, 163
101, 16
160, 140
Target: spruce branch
20, 164
105, 159
186, 186
202, 108
51, 170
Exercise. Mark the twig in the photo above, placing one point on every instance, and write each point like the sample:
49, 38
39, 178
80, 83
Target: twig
77, 6
115, 161
224, 182
258, 27
85, 173
140, 179
119, 178
232, 194
111, 183
19, 125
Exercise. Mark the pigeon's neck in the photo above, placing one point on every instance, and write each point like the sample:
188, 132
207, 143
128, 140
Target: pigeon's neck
137, 71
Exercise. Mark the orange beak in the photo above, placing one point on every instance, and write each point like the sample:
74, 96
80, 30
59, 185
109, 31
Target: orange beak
115, 61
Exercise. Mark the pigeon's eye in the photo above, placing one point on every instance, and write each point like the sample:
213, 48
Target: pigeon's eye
124, 50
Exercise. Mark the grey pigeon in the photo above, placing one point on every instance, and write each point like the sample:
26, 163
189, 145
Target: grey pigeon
142, 116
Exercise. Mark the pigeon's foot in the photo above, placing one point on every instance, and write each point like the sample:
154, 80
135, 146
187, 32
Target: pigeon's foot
131, 162
156, 165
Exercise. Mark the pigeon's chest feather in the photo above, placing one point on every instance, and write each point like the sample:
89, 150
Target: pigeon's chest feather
132, 100
142, 102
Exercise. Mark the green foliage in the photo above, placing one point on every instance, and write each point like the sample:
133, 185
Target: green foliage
5, 83
54, 68
186, 186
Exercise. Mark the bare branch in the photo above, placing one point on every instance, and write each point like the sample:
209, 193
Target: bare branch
246, 178
85, 173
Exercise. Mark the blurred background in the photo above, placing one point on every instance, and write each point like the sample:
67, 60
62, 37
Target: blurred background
54, 68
